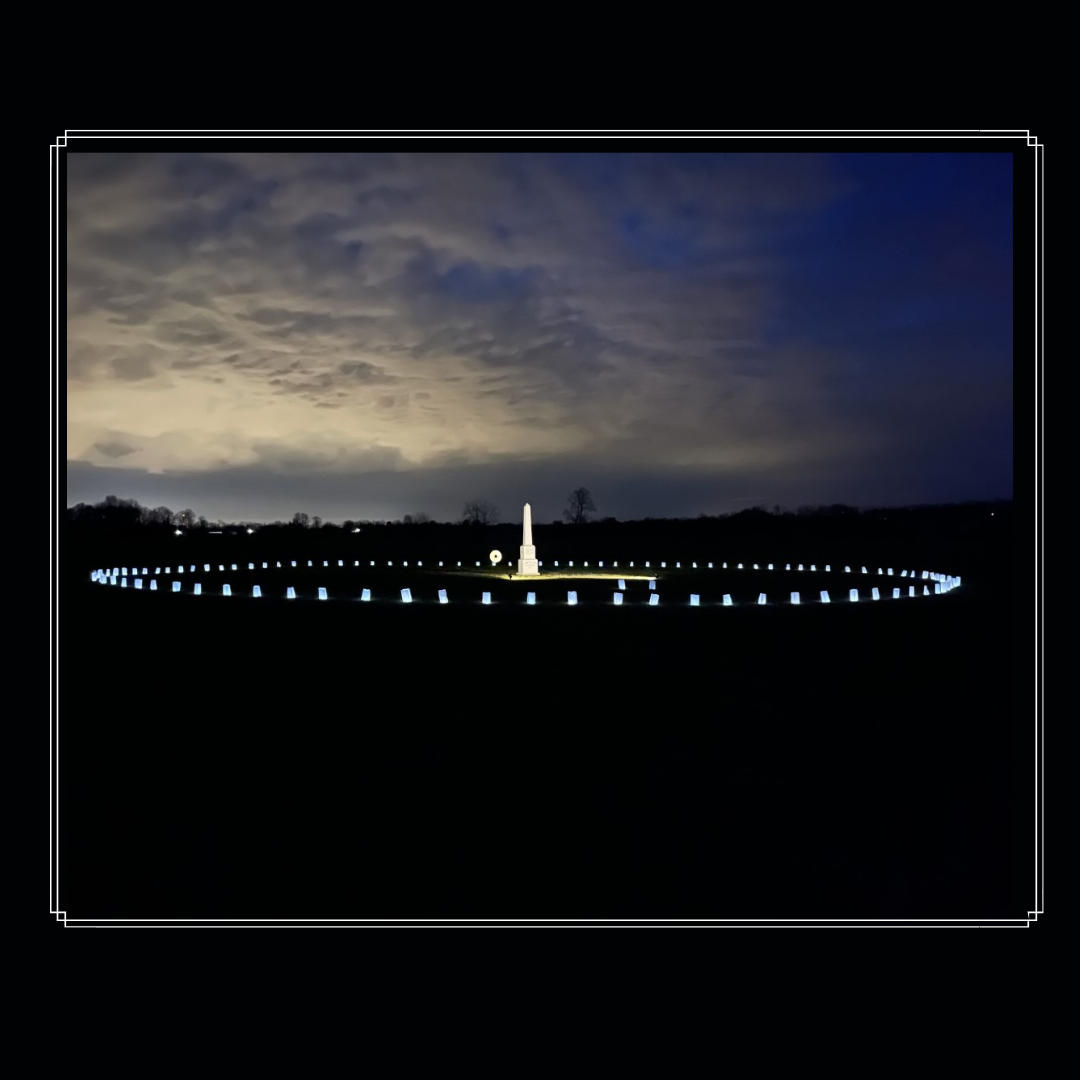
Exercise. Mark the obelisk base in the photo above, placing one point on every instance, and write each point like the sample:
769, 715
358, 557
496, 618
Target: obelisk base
527, 564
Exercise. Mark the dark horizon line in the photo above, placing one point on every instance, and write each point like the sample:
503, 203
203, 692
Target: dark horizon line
775, 511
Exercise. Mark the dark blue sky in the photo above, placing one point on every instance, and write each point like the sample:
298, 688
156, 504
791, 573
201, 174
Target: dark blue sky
369, 335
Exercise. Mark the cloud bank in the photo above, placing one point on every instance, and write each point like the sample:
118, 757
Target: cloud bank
404, 332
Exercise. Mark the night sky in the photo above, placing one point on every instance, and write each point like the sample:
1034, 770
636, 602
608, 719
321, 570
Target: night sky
365, 336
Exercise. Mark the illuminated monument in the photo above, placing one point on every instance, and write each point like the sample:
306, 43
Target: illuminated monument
527, 564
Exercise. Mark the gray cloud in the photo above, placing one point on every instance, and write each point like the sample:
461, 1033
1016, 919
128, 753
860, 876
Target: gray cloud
114, 449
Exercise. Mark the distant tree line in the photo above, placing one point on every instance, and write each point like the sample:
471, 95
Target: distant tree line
580, 510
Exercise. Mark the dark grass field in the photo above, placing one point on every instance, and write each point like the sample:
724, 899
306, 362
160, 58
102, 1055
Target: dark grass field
229, 757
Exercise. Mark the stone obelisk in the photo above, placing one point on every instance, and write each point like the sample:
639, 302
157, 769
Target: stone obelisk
527, 563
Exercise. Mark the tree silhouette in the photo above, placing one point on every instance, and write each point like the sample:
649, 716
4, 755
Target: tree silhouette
480, 512
579, 506
300, 519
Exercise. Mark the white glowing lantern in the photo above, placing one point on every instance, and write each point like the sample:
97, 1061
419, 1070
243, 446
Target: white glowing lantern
556, 562
761, 598
440, 562
112, 580
264, 566
571, 597
693, 566
197, 590
176, 586
234, 566
256, 591
530, 598
153, 584
813, 567
479, 564
787, 566
290, 593
663, 566
145, 571
724, 567
442, 597
459, 563
251, 566
586, 562
340, 563
740, 566
206, 568
419, 563
221, 568
896, 594
622, 583
727, 599
406, 596
654, 600
825, 596
652, 584
874, 594
309, 562
123, 573
617, 598
405, 563
710, 565
571, 563
631, 564
925, 591
293, 562
800, 566
168, 569
325, 563
646, 564
366, 594
695, 600
322, 593
123, 583
157, 570
485, 598
755, 566
911, 591
794, 597
770, 566
903, 573
880, 571
853, 595
226, 590
925, 575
